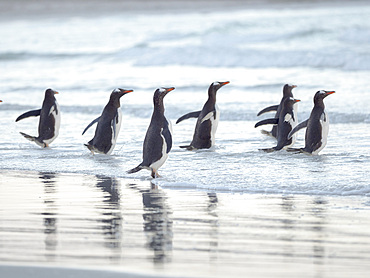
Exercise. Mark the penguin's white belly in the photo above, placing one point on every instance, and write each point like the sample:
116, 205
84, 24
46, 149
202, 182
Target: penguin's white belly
115, 127
214, 118
55, 112
324, 121
157, 164
293, 123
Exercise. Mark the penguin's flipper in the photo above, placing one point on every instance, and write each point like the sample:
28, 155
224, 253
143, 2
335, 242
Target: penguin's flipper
136, 169
272, 121
189, 115
268, 109
209, 116
32, 113
298, 127
93, 122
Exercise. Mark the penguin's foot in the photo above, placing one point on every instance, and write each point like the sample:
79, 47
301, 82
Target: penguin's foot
155, 174
189, 148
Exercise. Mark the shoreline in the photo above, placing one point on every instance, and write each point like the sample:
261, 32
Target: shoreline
23, 9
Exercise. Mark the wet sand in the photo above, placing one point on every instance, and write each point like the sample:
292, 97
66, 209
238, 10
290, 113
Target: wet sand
128, 226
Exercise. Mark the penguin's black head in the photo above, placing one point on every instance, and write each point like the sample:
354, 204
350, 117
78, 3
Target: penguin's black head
160, 93
320, 95
292, 100
287, 90
50, 93
216, 85
118, 93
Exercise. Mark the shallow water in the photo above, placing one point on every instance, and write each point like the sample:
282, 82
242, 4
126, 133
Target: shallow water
258, 51
120, 224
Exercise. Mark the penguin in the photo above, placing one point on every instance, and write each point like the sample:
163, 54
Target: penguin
208, 117
158, 139
317, 126
287, 92
285, 123
109, 124
49, 122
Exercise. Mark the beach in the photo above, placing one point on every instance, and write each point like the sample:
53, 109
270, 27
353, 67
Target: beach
229, 211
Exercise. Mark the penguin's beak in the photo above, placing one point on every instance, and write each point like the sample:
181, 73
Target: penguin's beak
329, 92
294, 86
169, 89
56, 93
297, 100
127, 91
224, 83
1, 101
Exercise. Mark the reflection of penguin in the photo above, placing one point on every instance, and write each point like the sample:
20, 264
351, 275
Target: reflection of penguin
158, 138
317, 126
49, 120
50, 213
285, 123
287, 92
208, 117
157, 221
109, 124
111, 216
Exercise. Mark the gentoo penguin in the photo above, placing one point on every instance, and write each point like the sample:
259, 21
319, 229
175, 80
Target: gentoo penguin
109, 124
208, 117
317, 126
285, 123
49, 120
158, 139
287, 92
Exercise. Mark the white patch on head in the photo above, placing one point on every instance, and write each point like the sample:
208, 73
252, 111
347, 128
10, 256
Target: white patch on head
215, 83
117, 90
322, 92
162, 90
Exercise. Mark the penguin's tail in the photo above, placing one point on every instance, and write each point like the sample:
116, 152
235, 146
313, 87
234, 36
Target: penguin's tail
268, 133
136, 169
188, 147
294, 150
33, 139
269, 150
